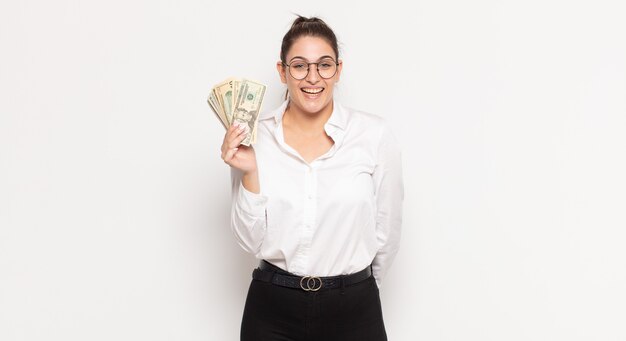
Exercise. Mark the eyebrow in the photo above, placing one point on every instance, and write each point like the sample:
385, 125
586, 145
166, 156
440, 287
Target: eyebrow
320, 58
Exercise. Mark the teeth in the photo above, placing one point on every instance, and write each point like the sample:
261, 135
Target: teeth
312, 91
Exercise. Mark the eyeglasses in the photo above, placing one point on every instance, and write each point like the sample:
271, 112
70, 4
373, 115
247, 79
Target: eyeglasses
299, 69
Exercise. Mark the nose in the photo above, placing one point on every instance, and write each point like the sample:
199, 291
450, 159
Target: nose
313, 76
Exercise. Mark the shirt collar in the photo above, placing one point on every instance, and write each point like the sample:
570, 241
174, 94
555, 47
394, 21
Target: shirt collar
338, 117
335, 127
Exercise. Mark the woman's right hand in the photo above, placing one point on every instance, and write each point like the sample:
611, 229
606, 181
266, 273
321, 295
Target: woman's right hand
237, 155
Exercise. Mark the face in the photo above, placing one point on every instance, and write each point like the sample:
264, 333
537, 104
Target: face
312, 94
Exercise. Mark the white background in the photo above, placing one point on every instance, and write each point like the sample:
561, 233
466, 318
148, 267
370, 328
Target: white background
114, 200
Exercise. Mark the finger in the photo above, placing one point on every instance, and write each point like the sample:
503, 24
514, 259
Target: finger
226, 153
235, 142
238, 136
228, 131
230, 154
233, 132
237, 126
237, 129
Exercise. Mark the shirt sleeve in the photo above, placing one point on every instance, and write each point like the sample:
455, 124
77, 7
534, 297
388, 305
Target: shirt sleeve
248, 215
389, 191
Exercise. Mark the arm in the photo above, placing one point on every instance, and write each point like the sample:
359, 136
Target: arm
248, 205
389, 193
248, 213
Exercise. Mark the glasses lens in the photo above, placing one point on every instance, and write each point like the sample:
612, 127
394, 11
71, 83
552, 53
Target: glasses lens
298, 69
327, 68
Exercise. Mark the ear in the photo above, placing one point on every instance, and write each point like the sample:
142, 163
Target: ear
339, 67
281, 71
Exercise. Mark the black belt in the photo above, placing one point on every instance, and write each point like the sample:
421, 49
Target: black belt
268, 272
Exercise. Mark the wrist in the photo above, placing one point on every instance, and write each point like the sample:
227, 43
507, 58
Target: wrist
250, 181
250, 173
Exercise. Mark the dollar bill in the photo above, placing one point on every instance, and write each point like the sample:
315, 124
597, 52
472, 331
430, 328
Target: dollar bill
214, 104
247, 107
225, 94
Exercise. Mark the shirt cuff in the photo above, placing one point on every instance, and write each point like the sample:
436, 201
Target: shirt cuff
252, 203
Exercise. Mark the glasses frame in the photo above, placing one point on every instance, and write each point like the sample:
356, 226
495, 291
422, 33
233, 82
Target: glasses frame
308, 69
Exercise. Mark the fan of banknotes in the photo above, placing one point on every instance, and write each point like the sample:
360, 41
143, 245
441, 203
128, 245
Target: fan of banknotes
238, 101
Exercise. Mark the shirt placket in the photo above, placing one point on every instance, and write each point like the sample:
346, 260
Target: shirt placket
308, 218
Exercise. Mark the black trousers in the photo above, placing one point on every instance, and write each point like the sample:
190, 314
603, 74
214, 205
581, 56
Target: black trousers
278, 313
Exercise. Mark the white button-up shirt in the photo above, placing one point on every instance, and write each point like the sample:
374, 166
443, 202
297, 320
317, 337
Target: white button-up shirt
333, 216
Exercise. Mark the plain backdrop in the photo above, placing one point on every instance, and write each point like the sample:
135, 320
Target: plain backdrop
114, 200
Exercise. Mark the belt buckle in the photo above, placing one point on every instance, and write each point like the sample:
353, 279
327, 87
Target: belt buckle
309, 283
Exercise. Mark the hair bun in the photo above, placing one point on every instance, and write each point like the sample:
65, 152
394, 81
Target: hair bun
302, 21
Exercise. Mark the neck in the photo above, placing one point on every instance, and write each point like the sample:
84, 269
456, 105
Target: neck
297, 118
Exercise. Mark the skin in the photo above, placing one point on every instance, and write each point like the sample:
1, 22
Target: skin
304, 118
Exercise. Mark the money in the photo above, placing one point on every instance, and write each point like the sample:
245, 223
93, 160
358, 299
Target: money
214, 104
247, 107
238, 101
224, 94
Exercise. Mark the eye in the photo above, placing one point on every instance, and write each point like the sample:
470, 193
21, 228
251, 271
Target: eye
298, 65
326, 64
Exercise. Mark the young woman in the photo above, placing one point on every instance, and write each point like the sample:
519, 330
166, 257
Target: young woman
318, 200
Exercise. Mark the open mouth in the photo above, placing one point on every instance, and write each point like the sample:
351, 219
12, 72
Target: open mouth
312, 91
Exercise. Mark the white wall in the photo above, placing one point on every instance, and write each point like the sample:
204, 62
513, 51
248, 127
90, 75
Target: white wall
114, 199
